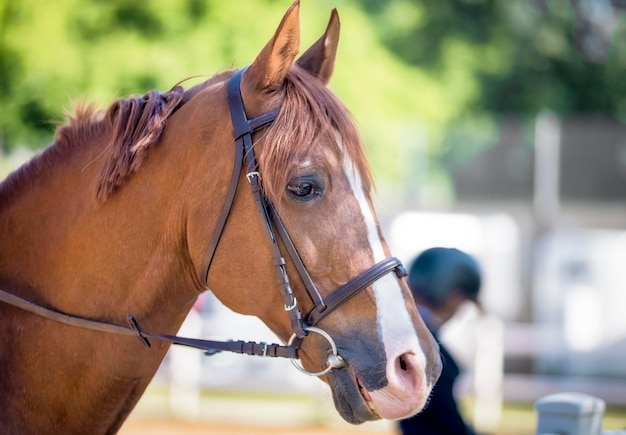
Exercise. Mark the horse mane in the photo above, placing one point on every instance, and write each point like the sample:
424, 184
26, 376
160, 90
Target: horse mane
137, 123
308, 111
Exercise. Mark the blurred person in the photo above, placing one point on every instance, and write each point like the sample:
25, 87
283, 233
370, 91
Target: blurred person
441, 281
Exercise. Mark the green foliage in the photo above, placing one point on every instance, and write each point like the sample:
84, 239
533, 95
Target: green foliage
425, 78
54, 52
517, 57
499, 58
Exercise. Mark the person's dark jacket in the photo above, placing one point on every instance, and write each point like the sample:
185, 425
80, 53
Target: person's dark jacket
441, 415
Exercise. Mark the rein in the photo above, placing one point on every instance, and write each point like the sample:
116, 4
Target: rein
301, 325
209, 346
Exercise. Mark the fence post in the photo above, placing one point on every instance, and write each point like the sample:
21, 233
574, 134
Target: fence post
570, 414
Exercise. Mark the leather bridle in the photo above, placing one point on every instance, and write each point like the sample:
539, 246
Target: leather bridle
301, 325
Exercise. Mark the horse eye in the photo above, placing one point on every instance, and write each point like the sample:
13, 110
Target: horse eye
304, 189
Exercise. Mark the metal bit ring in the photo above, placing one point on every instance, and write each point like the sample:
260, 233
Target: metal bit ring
334, 360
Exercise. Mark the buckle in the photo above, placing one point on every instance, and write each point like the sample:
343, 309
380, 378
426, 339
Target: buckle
253, 174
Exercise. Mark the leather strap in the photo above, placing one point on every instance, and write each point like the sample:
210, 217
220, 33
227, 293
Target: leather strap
364, 280
67, 319
221, 222
209, 346
241, 127
295, 258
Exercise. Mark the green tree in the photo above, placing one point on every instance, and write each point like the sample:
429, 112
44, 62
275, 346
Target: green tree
53, 52
509, 57
524, 55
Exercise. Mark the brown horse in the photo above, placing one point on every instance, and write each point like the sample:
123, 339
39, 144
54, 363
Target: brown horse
115, 217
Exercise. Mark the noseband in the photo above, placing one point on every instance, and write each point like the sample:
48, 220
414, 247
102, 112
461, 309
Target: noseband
301, 325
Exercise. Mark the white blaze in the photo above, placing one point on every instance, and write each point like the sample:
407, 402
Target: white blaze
394, 322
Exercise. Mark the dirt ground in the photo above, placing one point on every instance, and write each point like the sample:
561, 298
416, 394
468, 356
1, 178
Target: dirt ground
233, 413
170, 427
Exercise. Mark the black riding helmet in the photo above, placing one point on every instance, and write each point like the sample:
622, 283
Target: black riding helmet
437, 272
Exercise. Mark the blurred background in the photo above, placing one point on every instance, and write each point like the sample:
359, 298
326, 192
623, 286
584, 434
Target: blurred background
497, 127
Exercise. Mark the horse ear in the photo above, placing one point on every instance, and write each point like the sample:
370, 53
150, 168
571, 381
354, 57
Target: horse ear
269, 69
319, 59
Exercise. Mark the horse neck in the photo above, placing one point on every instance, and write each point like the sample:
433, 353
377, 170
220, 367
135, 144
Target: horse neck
66, 250
62, 240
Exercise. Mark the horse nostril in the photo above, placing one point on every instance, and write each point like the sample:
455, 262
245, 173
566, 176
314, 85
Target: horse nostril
406, 371
406, 391
402, 363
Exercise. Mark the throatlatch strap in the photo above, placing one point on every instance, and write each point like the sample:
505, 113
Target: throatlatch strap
221, 222
241, 127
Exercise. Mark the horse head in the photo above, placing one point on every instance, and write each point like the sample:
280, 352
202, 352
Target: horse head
312, 168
